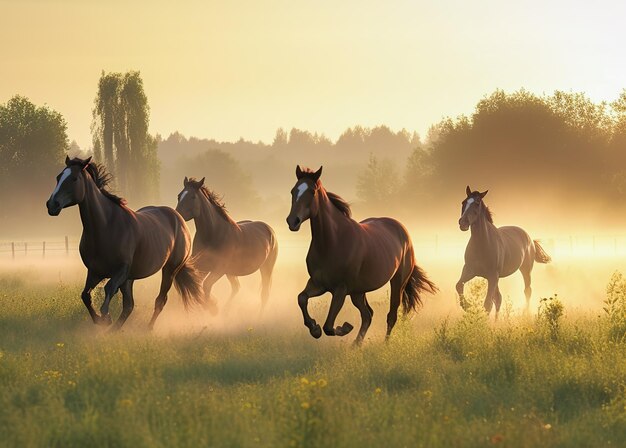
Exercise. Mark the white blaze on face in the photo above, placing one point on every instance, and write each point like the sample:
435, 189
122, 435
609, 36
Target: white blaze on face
469, 202
64, 176
182, 196
301, 189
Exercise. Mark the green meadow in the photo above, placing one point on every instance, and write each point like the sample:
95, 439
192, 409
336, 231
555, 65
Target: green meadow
547, 378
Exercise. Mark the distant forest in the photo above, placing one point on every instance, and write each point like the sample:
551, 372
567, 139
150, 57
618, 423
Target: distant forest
525, 148
562, 147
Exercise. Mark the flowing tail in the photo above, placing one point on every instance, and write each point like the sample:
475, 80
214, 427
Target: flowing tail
418, 283
188, 283
540, 255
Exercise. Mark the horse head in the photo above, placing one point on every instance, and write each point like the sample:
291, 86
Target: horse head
304, 197
471, 208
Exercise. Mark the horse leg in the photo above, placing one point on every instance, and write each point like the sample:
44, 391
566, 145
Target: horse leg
397, 287
209, 302
497, 300
339, 297
266, 279
361, 304
235, 286
492, 287
90, 283
167, 279
110, 289
527, 289
466, 276
128, 303
310, 290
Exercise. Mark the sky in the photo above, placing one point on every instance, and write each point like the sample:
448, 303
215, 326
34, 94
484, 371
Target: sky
234, 69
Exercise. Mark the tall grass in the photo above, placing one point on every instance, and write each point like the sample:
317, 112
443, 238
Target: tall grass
467, 381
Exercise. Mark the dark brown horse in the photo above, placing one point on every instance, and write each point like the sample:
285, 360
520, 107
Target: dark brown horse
223, 246
351, 258
123, 245
495, 252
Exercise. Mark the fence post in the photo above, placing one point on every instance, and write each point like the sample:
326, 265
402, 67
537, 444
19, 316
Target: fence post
13, 249
67, 246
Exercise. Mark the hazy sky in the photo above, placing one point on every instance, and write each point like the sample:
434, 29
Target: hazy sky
244, 68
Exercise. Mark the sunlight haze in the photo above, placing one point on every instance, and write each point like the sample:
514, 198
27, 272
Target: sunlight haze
245, 68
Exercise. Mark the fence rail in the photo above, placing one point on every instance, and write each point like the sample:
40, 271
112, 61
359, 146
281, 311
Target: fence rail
26, 248
578, 246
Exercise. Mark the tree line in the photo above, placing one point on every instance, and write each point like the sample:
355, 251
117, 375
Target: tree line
519, 142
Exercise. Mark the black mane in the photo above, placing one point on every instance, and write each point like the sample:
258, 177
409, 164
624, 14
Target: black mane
101, 177
213, 198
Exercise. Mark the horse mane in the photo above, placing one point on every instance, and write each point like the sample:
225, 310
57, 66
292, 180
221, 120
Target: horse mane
488, 213
213, 198
340, 203
335, 199
101, 177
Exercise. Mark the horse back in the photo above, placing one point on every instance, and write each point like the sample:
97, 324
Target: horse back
517, 246
162, 233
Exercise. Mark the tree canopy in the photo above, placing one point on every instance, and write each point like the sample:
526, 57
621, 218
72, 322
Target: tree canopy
120, 135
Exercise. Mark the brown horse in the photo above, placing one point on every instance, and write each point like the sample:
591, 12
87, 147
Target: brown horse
350, 258
495, 252
123, 245
223, 246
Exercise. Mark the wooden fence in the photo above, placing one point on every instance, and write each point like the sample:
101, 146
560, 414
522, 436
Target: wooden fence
562, 246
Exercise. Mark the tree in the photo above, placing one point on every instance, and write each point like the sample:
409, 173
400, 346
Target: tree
33, 143
378, 183
120, 134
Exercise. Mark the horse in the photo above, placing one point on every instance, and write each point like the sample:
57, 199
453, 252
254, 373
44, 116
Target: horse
225, 247
352, 258
495, 252
123, 245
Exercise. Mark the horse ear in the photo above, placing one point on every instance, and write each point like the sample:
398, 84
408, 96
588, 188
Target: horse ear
202, 181
484, 193
185, 182
67, 160
86, 162
299, 172
318, 174
468, 190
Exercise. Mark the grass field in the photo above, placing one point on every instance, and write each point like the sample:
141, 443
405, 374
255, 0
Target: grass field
458, 380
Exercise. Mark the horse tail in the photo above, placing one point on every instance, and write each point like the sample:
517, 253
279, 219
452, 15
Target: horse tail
418, 283
540, 255
188, 282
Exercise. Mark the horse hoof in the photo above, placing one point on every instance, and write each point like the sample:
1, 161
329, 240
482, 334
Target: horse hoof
104, 320
316, 331
211, 307
344, 329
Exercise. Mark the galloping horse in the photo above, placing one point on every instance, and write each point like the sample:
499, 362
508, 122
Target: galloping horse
350, 258
223, 246
123, 245
495, 252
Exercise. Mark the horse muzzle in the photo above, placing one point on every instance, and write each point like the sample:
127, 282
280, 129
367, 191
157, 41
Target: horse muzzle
464, 226
54, 208
294, 223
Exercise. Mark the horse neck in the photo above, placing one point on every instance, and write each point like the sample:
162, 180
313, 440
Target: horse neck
211, 226
95, 209
482, 230
326, 224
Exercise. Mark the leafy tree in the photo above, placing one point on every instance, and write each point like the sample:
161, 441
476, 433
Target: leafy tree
33, 143
379, 182
120, 133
